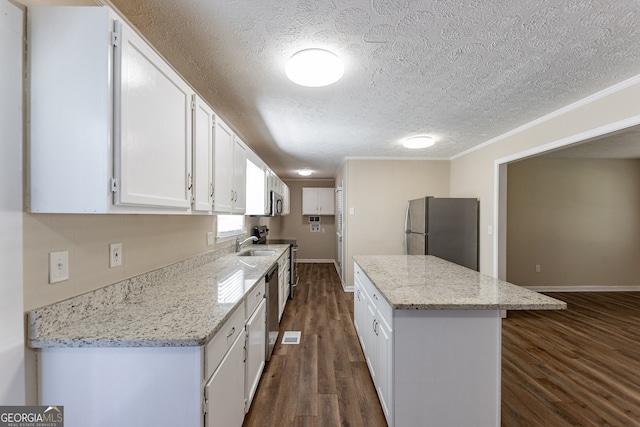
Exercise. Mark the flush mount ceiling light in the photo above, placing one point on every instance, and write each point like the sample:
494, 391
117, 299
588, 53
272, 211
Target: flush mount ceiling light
416, 142
314, 68
305, 172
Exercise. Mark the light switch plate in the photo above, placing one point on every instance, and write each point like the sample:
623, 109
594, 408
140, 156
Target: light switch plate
209, 238
58, 266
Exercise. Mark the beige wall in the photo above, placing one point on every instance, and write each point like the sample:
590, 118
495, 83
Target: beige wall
311, 246
148, 242
472, 175
378, 191
577, 219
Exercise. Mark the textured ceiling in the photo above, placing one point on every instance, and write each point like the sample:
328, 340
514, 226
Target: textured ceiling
462, 71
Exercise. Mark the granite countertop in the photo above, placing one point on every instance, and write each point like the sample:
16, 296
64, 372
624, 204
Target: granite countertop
186, 309
425, 282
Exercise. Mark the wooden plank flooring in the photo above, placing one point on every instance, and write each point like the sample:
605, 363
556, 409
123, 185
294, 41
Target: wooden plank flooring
577, 367
323, 381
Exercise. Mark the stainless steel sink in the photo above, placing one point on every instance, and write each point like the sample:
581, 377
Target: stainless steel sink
257, 252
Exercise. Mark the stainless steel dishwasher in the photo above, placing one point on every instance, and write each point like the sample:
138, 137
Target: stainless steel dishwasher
273, 325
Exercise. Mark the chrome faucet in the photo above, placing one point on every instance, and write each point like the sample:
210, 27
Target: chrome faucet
239, 243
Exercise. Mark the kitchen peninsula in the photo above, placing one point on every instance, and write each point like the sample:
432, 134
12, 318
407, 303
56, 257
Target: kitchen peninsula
431, 334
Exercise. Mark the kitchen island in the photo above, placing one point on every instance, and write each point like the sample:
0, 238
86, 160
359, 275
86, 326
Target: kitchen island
431, 334
183, 345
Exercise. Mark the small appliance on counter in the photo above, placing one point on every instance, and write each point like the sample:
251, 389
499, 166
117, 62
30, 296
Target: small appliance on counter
261, 232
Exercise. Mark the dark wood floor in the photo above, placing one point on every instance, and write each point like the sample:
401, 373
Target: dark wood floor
576, 367
323, 381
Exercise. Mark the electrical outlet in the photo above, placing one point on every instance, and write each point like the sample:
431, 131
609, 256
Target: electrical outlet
209, 238
115, 255
58, 266
537, 268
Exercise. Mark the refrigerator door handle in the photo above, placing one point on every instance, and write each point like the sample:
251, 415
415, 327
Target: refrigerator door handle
407, 228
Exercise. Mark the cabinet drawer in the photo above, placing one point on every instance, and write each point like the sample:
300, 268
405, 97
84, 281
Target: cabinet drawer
218, 346
254, 298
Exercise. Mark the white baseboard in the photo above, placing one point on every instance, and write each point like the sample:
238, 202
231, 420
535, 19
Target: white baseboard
584, 288
316, 261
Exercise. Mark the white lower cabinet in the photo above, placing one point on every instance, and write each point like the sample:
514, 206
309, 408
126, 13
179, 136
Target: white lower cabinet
373, 325
121, 386
255, 356
283, 283
224, 392
430, 367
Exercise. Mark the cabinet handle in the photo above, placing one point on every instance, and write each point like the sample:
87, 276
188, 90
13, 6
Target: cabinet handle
211, 189
190, 181
233, 331
375, 296
258, 295
374, 326
359, 295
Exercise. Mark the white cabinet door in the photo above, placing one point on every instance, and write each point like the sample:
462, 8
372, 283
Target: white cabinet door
373, 321
309, 201
326, 201
286, 196
223, 157
230, 171
153, 151
283, 266
110, 121
318, 201
384, 350
202, 191
239, 176
359, 311
224, 392
255, 344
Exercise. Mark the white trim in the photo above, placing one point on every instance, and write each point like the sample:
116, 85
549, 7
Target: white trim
592, 133
310, 179
316, 261
584, 288
578, 104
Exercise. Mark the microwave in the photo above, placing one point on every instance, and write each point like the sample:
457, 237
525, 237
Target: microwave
277, 204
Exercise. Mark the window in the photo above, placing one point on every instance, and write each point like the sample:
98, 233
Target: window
230, 225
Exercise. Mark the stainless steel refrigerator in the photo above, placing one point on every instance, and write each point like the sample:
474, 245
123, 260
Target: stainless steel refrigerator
444, 227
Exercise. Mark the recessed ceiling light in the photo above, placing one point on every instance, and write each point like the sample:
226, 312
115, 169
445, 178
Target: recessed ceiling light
314, 68
418, 142
305, 172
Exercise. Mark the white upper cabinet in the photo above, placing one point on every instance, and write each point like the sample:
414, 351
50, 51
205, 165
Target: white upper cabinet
318, 201
286, 197
203, 119
230, 158
223, 172
257, 194
154, 149
110, 121
239, 182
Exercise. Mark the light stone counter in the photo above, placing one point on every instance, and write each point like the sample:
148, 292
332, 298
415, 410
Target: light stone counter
425, 282
431, 332
165, 308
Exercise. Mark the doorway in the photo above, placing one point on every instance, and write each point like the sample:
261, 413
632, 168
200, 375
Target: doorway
585, 141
